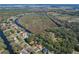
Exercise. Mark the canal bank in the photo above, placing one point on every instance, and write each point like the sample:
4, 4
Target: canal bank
19, 25
6, 42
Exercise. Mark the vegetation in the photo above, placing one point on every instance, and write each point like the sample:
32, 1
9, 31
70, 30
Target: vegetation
66, 40
36, 22
75, 27
45, 32
59, 40
3, 48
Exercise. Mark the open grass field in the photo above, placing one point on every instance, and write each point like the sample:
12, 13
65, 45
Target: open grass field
6, 13
62, 17
36, 22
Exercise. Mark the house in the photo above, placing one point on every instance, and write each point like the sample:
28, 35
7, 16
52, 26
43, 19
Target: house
24, 34
16, 40
26, 50
45, 50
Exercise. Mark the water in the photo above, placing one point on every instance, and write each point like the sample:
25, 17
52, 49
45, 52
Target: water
17, 23
6, 42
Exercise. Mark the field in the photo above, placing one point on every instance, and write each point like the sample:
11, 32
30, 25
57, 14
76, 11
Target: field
36, 22
64, 15
39, 30
5, 13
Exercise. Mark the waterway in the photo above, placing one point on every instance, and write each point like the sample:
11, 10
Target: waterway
18, 24
6, 42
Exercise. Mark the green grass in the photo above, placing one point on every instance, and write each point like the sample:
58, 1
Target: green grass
36, 22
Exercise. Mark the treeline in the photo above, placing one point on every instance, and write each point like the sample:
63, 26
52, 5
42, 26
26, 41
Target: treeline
58, 40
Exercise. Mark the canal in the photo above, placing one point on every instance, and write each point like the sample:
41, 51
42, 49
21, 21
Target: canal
6, 42
18, 24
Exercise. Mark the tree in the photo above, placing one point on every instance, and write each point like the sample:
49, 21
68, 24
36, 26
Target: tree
64, 40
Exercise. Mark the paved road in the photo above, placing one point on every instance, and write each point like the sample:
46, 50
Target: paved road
58, 22
55, 20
